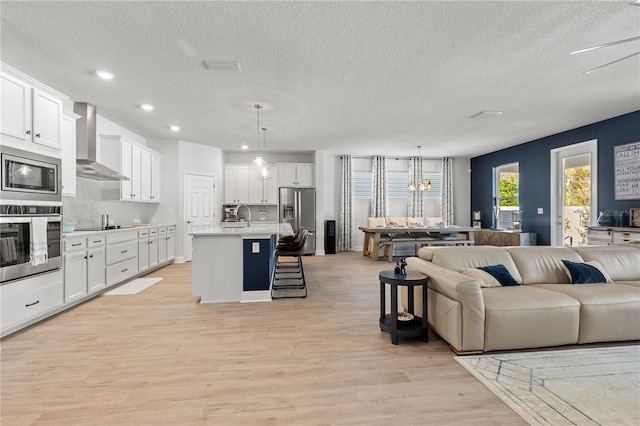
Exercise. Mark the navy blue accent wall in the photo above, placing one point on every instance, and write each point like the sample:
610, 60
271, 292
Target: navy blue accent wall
257, 268
535, 171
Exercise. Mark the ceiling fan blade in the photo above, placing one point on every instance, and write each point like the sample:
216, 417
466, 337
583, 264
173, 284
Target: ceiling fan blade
611, 63
613, 43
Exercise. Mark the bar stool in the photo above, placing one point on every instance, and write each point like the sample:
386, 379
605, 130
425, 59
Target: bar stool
289, 275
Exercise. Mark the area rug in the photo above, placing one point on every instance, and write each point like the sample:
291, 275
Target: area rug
592, 386
132, 287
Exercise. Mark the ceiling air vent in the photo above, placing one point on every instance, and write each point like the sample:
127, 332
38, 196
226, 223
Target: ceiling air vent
222, 65
486, 114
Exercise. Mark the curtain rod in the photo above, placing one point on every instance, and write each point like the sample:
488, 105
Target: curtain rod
389, 158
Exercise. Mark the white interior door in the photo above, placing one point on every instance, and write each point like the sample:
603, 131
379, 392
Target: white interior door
574, 177
199, 202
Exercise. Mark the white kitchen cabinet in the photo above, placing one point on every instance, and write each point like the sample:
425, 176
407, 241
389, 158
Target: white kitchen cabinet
171, 243
156, 170
264, 191
143, 250
121, 256
26, 301
153, 247
29, 113
137, 163
236, 184
68, 144
162, 245
84, 266
295, 174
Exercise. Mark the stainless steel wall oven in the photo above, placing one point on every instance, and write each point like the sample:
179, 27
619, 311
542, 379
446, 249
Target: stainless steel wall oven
15, 240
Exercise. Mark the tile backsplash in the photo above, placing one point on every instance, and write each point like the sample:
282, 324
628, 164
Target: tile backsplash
87, 207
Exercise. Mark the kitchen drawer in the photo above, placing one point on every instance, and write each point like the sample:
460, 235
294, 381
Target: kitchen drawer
121, 236
143, 233
153, 232
96, 241
171, 229
162, 231
24, 306
121, 271
72, 244
119, 252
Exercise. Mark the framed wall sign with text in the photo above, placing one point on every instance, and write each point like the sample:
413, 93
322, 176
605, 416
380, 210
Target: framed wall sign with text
627, 171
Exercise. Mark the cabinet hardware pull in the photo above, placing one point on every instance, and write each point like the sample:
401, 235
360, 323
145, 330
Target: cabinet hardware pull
77, 244
123, 252
31, 304
85, 257
91, 256
125, 270
28, 132
37, 135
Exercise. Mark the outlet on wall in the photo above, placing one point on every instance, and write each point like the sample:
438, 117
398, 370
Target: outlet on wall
136, 220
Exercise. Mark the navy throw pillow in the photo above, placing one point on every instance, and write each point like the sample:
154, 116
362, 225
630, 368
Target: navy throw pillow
500, 273
582, 273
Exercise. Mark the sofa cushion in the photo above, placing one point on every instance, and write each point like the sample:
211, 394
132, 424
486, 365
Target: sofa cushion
586, 273
458, 257
622, 263
608, 312
484, 278
542, 265
500, 273
527, 317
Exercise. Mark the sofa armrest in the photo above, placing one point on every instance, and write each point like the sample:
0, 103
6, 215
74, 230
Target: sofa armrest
462, 289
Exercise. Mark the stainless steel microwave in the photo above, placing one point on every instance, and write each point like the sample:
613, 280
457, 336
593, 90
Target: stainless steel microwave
30, 177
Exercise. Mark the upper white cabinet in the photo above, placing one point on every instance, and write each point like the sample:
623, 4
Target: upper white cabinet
68, 144
295, 174
264, 191
30, 113
137, 163
236, 184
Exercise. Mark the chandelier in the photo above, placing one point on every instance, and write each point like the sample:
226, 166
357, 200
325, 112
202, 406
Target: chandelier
422, 186
259, 163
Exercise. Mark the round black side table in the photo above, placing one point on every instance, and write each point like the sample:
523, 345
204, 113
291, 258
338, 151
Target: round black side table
416, 327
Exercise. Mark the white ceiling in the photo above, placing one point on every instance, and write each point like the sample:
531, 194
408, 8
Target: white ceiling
346, 77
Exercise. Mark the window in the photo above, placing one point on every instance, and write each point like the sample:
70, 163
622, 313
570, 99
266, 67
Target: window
362, 185
506, 195
436, 185
397, 184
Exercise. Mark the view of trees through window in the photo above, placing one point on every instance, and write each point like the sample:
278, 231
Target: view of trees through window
577, 202
507, 195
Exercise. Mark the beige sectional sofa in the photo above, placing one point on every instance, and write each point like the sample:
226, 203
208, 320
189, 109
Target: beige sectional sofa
545, 310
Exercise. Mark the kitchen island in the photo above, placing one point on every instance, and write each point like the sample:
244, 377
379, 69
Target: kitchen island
235, 264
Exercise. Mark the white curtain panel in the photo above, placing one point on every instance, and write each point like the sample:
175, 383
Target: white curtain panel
447, 190
379, 201
346, 225
415, 204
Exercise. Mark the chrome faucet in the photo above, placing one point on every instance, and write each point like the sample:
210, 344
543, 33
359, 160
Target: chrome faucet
235, 212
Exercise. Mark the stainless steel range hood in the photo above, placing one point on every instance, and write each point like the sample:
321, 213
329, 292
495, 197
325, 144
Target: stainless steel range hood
87, 165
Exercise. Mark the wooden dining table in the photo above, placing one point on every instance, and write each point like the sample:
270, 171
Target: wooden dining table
388, 236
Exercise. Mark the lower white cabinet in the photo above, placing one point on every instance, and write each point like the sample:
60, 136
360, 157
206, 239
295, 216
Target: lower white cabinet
162, 245
171, 243
26, 300
121, 256
84, 266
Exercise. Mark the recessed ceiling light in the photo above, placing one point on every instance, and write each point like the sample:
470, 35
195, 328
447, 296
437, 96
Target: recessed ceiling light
105, 75
635, 3
244, 147
486, 114
146, 107
175, 128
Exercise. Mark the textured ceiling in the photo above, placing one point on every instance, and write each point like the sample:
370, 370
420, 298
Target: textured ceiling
346, 77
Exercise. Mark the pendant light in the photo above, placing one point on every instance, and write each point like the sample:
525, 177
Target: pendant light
264, 173
422, 186
258, 163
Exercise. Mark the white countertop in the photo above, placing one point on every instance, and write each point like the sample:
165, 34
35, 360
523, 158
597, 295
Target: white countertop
254, 229
109, 231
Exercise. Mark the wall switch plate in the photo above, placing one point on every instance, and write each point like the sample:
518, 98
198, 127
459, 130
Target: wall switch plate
136, 220
262, 218
255, 247
540, 210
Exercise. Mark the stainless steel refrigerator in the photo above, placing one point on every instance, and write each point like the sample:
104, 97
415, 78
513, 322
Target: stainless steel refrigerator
298, 208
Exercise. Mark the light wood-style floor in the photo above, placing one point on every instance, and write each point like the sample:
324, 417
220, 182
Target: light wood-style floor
160, 358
